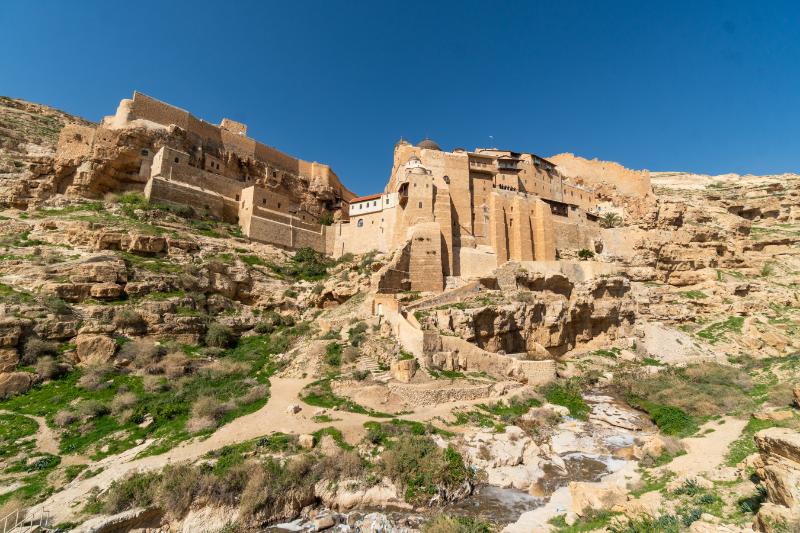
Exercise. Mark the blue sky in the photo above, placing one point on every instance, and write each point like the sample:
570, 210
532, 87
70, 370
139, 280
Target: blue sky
700, 86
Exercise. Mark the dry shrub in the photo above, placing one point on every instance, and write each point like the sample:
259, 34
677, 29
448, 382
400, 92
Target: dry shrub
123, 403
259, 392
36, 348
175, 365
339, 466
92, 409
95, 376
49, 368
64, 417
140, 352
208, 406
224, 367
206, 412
179, 487
195, 425
128, 319
155, 384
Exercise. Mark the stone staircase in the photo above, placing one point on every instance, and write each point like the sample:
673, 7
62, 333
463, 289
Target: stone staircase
376, 373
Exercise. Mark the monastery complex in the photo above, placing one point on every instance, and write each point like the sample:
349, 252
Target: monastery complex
445, 214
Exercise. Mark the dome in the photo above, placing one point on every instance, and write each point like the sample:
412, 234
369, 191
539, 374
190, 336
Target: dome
429, 144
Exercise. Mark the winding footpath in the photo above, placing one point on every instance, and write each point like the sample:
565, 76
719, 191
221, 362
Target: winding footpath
66, 504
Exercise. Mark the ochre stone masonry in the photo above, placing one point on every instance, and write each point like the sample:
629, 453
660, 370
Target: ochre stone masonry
445, 214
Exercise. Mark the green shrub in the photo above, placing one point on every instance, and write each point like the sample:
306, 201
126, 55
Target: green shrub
306, 264
584, 254
219, 336
135, 490
333, 354
568, 394
326, 219
456, 524
131, 202
422, 469
357, 334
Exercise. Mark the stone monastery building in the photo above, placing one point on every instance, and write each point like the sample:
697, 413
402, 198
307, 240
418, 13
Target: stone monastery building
442, 213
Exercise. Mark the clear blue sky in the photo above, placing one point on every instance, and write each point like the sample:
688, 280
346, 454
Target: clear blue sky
703, 86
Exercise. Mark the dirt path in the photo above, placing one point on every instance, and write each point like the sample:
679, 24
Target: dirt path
47, 442
274, 416
707, 452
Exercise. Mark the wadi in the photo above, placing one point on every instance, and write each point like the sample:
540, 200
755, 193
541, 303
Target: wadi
202, 333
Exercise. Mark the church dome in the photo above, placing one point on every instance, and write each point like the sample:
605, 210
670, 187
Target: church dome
429, 144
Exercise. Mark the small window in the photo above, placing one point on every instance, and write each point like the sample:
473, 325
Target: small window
145, 152
447, 179
279, 205
375, 203
264, 201
177, 160
274, 174
419, 205
360, 222
237, 197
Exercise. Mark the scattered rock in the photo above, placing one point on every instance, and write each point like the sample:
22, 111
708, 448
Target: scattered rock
93, 349
306, 441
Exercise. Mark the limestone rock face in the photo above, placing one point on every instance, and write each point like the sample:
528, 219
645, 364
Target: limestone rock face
556, 316
780, 472
510, 459
8, 359
93, 349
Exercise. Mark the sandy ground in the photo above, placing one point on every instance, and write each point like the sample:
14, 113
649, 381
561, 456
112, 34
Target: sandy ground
274, 416
706, 453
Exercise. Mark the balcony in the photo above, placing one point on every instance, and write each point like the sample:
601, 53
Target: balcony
480, 166
507, 164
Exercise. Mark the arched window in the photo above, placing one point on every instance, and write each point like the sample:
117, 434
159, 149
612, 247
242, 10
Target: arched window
360, 222
447, 179
419, 205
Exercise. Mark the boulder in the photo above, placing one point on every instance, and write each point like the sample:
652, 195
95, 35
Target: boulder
12, 383
105, 291
306, 441
796, 394
147, 244
293, 409
404, 370
93, 349
594, 497
100, 272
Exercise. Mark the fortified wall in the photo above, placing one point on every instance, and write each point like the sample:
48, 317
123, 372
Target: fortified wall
463, 214
443, 215
175, 158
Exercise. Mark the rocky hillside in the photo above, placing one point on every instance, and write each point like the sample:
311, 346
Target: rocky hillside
28, 137
159, 372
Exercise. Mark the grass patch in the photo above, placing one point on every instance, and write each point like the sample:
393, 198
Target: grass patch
568, 394
719, 330
320, 394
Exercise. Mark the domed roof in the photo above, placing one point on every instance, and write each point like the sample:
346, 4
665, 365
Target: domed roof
429, 144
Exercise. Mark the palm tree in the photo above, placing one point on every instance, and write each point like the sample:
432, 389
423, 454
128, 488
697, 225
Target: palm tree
610, 220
